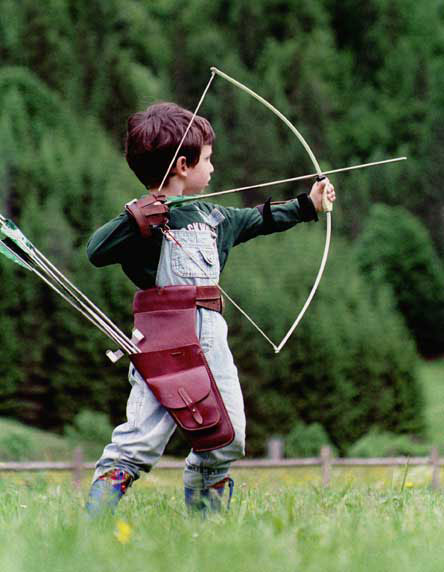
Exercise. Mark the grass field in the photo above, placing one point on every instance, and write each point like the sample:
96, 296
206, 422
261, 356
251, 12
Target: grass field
372, 520
270, 527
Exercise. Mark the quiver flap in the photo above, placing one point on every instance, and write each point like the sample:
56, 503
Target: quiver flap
185, 390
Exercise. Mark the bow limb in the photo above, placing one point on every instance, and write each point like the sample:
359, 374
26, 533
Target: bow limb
314, 288
326, 204
275, 111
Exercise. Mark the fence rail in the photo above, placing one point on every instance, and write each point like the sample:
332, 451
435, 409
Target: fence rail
325, 461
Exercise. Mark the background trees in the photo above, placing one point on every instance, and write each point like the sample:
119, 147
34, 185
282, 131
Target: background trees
362, 80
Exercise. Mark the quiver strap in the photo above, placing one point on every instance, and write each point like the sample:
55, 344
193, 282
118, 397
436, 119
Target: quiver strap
149, 212
173, 363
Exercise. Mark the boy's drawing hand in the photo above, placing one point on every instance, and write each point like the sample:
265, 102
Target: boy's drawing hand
318, 189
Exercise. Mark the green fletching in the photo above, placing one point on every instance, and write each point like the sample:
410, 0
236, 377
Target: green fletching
11, 255
178, 201
12, 231
13, 243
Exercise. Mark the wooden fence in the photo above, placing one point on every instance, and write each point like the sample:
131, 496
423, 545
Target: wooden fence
325, 461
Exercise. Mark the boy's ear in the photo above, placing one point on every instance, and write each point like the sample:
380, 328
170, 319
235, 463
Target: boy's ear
181, 167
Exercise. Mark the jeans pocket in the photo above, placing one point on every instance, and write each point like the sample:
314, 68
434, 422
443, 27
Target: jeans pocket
195, 262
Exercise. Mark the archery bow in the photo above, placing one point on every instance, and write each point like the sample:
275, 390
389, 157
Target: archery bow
327, 205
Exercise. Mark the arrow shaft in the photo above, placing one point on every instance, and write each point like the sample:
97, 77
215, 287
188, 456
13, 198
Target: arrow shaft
293, 179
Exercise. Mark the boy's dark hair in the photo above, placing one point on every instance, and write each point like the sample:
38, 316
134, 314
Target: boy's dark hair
154, 135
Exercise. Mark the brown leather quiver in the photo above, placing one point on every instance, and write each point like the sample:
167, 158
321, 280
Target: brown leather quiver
173, 363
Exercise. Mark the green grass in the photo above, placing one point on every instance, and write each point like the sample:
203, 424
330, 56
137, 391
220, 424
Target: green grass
19, 442
270, 527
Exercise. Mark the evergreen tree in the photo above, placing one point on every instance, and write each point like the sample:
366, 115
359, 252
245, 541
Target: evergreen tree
57, 169
361, 80
396, 249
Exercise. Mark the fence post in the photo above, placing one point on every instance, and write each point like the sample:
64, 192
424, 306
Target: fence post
275, 448
77, 471
434, 459
326, 465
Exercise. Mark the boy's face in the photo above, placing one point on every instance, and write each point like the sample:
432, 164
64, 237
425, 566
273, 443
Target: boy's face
199, 176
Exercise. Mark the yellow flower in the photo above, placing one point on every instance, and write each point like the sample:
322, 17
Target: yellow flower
123, 532
409, 485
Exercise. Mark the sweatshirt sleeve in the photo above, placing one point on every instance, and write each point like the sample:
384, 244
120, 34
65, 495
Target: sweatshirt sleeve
111, 243
247, 223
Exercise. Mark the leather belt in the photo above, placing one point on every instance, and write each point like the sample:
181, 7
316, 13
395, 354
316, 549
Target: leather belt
175, 297
209, 297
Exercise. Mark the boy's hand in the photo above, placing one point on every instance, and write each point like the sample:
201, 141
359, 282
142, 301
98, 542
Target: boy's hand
317, 192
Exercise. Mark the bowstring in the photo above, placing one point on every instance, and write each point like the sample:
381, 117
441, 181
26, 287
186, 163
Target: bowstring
170, 166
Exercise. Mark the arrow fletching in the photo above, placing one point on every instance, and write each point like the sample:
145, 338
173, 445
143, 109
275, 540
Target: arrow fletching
6, 250
9, 237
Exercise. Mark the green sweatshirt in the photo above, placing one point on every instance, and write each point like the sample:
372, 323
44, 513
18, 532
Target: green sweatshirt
119, 240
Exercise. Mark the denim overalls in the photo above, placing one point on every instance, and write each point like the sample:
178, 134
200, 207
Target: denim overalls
139, 443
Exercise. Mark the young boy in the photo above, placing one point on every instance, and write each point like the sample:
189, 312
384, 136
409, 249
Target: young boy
188, 247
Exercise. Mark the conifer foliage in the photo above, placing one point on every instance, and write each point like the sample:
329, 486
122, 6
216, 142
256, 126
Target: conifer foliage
359, 81
395, 249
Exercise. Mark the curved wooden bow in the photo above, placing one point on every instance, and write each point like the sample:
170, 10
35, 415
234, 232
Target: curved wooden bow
327, 205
